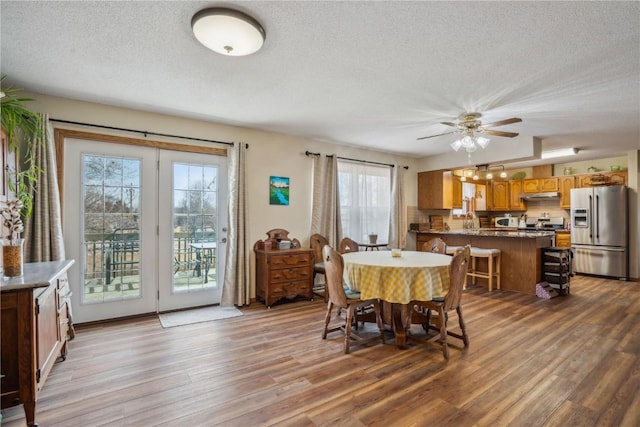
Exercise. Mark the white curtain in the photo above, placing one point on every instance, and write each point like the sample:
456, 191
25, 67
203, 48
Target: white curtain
364, 200
236, 285
43, 229
398, 220
325, 212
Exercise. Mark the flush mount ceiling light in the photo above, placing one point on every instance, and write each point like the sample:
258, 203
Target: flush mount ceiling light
559, 153
227, 31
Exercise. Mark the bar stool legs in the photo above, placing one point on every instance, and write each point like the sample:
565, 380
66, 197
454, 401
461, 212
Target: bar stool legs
493, 271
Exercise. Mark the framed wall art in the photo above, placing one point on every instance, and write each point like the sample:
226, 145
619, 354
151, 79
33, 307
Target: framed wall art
279, 190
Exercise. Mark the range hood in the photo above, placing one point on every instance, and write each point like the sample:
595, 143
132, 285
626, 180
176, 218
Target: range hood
547, 195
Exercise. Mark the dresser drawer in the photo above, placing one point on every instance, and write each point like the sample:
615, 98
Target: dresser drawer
290, 260
291, 289
284, 274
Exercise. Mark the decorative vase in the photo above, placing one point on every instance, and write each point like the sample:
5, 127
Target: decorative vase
12, 257
373, 238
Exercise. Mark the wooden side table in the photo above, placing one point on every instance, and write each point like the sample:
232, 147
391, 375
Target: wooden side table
372, 246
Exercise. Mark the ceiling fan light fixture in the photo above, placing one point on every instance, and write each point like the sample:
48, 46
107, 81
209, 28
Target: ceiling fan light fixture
228, 31
456, 145
482, 141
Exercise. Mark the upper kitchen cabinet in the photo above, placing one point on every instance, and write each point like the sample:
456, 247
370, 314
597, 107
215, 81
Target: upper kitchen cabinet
500, 196
610, 178
539, 185
456, 195
435, 190
566, 183
531, 185
548, 184
515, 201
616, 178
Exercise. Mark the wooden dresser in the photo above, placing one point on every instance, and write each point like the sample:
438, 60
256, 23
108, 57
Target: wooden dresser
282, 273
35, 330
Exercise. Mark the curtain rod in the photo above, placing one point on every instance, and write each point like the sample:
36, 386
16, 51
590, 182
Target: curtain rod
144, 132
309, 153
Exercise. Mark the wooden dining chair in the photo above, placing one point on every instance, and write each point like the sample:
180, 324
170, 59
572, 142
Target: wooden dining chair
348, 245
436, 245
436, 312
334, 268
317, 242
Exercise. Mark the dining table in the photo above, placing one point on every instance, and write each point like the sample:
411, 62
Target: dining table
397, 279
205, 254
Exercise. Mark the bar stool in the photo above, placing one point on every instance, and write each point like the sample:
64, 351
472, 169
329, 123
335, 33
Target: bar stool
451, 250
493, 260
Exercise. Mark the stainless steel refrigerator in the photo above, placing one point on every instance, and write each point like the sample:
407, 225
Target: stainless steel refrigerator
600, 231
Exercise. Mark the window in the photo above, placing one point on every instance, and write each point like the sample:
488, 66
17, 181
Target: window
365, 193
468, 200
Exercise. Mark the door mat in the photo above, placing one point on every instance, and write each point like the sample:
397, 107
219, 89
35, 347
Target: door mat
197, 315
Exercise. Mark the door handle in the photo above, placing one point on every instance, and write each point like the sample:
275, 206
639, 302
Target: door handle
598, 218
590, 217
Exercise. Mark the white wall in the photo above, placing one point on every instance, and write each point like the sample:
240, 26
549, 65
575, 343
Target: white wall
269, 154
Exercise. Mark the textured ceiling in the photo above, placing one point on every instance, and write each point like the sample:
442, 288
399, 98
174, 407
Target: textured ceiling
374, 74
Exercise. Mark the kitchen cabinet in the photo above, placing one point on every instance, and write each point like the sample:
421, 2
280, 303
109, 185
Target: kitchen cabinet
435, 190
548, 184
563, 239
456, 193
35, 330
500, 195
540, 185
584, 181
515, 202
531, 185
610, 178
616, 178
566, 183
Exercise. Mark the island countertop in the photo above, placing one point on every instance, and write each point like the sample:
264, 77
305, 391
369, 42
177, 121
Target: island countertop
521, 254
492, 232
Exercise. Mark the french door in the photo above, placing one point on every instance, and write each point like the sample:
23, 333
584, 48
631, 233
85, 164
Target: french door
194, 212
145, 226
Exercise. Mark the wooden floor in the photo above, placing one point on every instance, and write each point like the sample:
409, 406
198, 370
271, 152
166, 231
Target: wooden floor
568, 361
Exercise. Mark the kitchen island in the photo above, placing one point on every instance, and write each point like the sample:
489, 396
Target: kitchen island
521, 252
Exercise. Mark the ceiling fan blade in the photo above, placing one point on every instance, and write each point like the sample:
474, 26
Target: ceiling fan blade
440, 134
499, 133
449, 124
504, 122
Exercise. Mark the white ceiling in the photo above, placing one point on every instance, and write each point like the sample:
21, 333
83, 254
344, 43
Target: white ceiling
373, 74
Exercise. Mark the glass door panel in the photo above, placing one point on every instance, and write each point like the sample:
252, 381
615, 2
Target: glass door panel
192, 223
110, 228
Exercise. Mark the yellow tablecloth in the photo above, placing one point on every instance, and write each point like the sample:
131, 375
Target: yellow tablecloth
413, 276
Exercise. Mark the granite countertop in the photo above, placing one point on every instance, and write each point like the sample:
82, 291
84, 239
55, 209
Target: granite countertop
36, 275
492, 232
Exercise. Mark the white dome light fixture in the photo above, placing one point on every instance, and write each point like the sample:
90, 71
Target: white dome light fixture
227, 31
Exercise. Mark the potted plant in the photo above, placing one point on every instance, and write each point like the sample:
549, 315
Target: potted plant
20, 125
12, 246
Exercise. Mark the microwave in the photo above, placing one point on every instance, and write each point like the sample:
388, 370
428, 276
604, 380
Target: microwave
506, 222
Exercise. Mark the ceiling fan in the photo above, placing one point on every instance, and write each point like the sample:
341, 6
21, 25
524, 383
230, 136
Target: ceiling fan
470, 122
